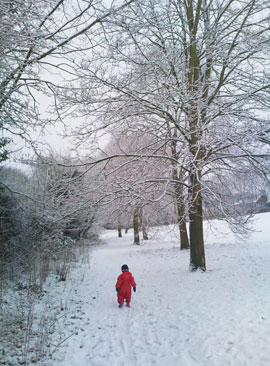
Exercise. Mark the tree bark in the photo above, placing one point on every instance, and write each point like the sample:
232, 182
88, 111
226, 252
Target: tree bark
181, 217
144, 231
119, 231
197, 255
136, 227
184, 242
142, 224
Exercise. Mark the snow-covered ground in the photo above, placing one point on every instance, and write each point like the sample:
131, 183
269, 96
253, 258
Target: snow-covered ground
177, 318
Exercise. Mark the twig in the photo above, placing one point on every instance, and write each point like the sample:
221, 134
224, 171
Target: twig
59, 344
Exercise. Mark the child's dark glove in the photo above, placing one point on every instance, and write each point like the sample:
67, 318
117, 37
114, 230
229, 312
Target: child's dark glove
117, 289
134, 289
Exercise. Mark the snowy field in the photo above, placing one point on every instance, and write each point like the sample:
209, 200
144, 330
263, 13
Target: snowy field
177, 318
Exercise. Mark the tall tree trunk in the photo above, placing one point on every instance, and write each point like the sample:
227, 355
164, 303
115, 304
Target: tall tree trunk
184, 242
181, 215
119, 231
197, 255
136, 227
144, 231
142, 224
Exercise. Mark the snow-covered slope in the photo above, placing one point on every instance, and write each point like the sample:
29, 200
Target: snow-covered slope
177, 318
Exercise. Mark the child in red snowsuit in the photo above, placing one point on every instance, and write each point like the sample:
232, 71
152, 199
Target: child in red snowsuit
123, 286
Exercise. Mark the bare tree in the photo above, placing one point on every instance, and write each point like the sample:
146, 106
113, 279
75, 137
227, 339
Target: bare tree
132, 186
63, 203
40, 40
199, 68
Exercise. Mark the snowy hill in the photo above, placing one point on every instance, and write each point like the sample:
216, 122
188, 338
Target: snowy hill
177, 318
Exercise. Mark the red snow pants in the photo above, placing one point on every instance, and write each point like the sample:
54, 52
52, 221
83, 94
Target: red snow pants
123, 297
124, 283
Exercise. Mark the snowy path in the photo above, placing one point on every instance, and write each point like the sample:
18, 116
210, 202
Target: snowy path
177, 318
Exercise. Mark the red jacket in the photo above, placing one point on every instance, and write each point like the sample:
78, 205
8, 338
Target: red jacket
124, 283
